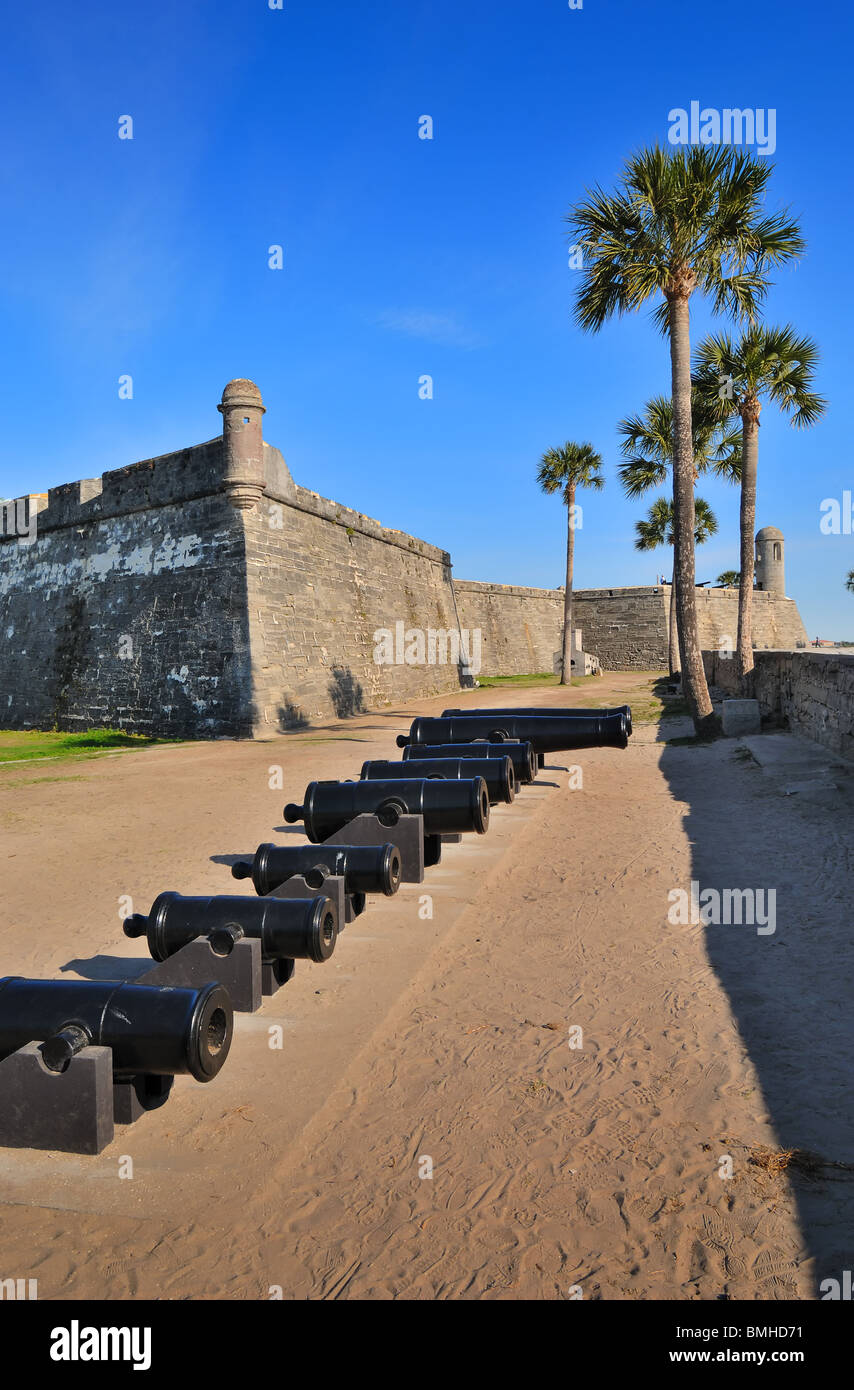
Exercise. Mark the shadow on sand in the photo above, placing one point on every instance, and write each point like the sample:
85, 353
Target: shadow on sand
791, 990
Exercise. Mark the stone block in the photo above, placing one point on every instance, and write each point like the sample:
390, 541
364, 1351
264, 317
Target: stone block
740, 717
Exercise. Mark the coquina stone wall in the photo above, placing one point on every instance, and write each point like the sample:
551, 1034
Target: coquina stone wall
626, 628
129, 608
776, 621
520, 628
339, 607
811, 691
204, 593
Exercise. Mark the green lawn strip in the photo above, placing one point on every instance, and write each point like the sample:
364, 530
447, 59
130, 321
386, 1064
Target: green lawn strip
535, 678
38, 745
647, 706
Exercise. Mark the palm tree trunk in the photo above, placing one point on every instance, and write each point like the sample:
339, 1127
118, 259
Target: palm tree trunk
693, 674
566, 667
673, 654
747, 522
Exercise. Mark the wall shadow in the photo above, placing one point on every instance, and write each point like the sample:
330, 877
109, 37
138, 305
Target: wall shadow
790, 991
291, 717
346, 693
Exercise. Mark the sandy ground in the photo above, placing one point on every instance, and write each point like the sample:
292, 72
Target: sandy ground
442, 1045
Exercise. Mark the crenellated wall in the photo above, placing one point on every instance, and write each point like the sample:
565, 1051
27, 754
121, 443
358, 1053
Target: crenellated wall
204, 593
129, 609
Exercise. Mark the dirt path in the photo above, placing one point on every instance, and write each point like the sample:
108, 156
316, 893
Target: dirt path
438, 1044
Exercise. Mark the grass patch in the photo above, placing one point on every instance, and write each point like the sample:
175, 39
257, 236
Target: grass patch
10, 783
534, 678
18, 745
648, 706
650, 711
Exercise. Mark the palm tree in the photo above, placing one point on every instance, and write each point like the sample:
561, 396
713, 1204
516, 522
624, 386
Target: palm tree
683, 219
647, 446
729, 579
767, 363
563, 470
656, 530
849, 583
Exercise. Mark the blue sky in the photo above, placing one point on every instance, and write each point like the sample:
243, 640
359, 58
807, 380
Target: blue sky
402, 257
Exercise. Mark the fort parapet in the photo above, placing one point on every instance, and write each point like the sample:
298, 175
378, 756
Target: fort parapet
204, 593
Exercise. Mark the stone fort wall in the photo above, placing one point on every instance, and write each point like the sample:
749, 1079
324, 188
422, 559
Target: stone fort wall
129, 609
628, 628
197, 595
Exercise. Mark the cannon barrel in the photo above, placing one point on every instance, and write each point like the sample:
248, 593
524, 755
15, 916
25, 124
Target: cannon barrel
288, 928
567, 711
497, 773
364, 868
447, 807
149, 1029
521, 755
547, 733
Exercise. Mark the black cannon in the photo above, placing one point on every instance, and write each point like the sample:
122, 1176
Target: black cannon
288, 928
497, 773
567, 711
364, 868
447, 807
547, 733
521, 755
149, 1029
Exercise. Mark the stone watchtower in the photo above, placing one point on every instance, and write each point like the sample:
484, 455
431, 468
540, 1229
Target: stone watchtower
242, 413
770, 571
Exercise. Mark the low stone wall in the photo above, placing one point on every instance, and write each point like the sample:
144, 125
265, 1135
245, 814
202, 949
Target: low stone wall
811, 691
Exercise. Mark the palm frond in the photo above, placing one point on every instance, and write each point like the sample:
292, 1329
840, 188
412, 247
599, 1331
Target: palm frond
698, 207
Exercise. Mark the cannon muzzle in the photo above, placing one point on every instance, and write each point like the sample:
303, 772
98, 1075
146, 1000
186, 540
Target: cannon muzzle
149, 1029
